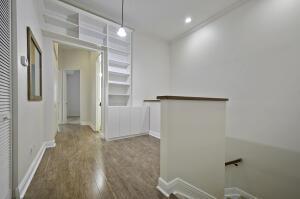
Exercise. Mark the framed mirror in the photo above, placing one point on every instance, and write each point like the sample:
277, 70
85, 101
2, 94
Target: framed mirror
34, 70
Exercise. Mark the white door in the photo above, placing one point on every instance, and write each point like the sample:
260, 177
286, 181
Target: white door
64, 96
98, 92
5, 101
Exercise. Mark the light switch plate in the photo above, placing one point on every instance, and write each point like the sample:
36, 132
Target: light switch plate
24, 61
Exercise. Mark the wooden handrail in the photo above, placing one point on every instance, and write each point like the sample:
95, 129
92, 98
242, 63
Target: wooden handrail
234, 162
172, 97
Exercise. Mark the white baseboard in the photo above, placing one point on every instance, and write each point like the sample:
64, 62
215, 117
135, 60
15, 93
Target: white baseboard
179, 186
93, 127
8, 196
90, 124
154, 134
126, 137
236, 193
50, 144
87, 123
25, 182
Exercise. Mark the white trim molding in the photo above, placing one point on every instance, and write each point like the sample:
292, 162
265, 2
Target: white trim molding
126, 137
154, 134
50, 144
181, 187
87, 123
25, 182
237, 193
92, 126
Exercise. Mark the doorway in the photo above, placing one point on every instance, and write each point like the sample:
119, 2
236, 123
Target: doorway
81, 91
71, 96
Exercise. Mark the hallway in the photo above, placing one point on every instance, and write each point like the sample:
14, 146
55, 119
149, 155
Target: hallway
83, 166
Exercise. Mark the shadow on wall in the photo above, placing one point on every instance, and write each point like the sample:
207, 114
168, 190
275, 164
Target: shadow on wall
266, 172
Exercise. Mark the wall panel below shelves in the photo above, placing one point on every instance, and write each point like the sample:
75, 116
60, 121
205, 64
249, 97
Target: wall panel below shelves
127, 121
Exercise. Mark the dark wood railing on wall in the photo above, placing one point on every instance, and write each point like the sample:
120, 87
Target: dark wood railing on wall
234, 162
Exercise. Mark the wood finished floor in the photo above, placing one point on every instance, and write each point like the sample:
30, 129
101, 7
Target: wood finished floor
84, 166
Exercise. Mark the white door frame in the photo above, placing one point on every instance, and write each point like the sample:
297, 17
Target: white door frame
64, 92
100, 100
98, 92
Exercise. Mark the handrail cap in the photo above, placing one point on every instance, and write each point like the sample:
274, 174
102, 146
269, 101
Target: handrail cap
173, 97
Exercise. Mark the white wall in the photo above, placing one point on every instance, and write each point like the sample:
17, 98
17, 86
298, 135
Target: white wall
50, 70
30, 115
150, 68
73, 94
56, 95
250, 56
193, 149
154, 123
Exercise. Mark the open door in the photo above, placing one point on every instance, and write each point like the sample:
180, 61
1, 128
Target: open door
64, 96
99, 84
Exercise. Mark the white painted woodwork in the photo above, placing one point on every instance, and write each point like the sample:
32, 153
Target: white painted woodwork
136, 122
68, 24
5, 101
99, 93
124, 121
71, 25
193, 144
113, 130
154, 120
127, 121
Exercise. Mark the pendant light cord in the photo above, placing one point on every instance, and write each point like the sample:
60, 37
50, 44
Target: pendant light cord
122, 12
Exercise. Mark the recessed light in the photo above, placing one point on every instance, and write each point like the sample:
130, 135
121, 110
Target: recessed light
188, 20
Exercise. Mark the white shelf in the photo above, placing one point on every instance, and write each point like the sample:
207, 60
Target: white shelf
98, 30
119, 83
93, 22
91, 33
119, 41
59, 8
120, 95
118, 63
69, 39
117, 71
118, 51
92, 36
60, 22
116, 106
70, 25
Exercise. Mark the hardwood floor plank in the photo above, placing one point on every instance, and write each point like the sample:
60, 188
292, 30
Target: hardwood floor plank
84, 166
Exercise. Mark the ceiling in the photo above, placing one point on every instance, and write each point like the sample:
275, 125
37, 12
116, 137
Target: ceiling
162, 18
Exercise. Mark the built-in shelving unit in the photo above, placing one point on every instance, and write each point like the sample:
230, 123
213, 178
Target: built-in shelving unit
69, 24
119, 67
73, 26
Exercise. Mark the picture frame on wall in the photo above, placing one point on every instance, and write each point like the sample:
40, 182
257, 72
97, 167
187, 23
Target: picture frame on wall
34, 69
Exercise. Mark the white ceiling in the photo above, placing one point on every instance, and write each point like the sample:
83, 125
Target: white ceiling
162, 18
